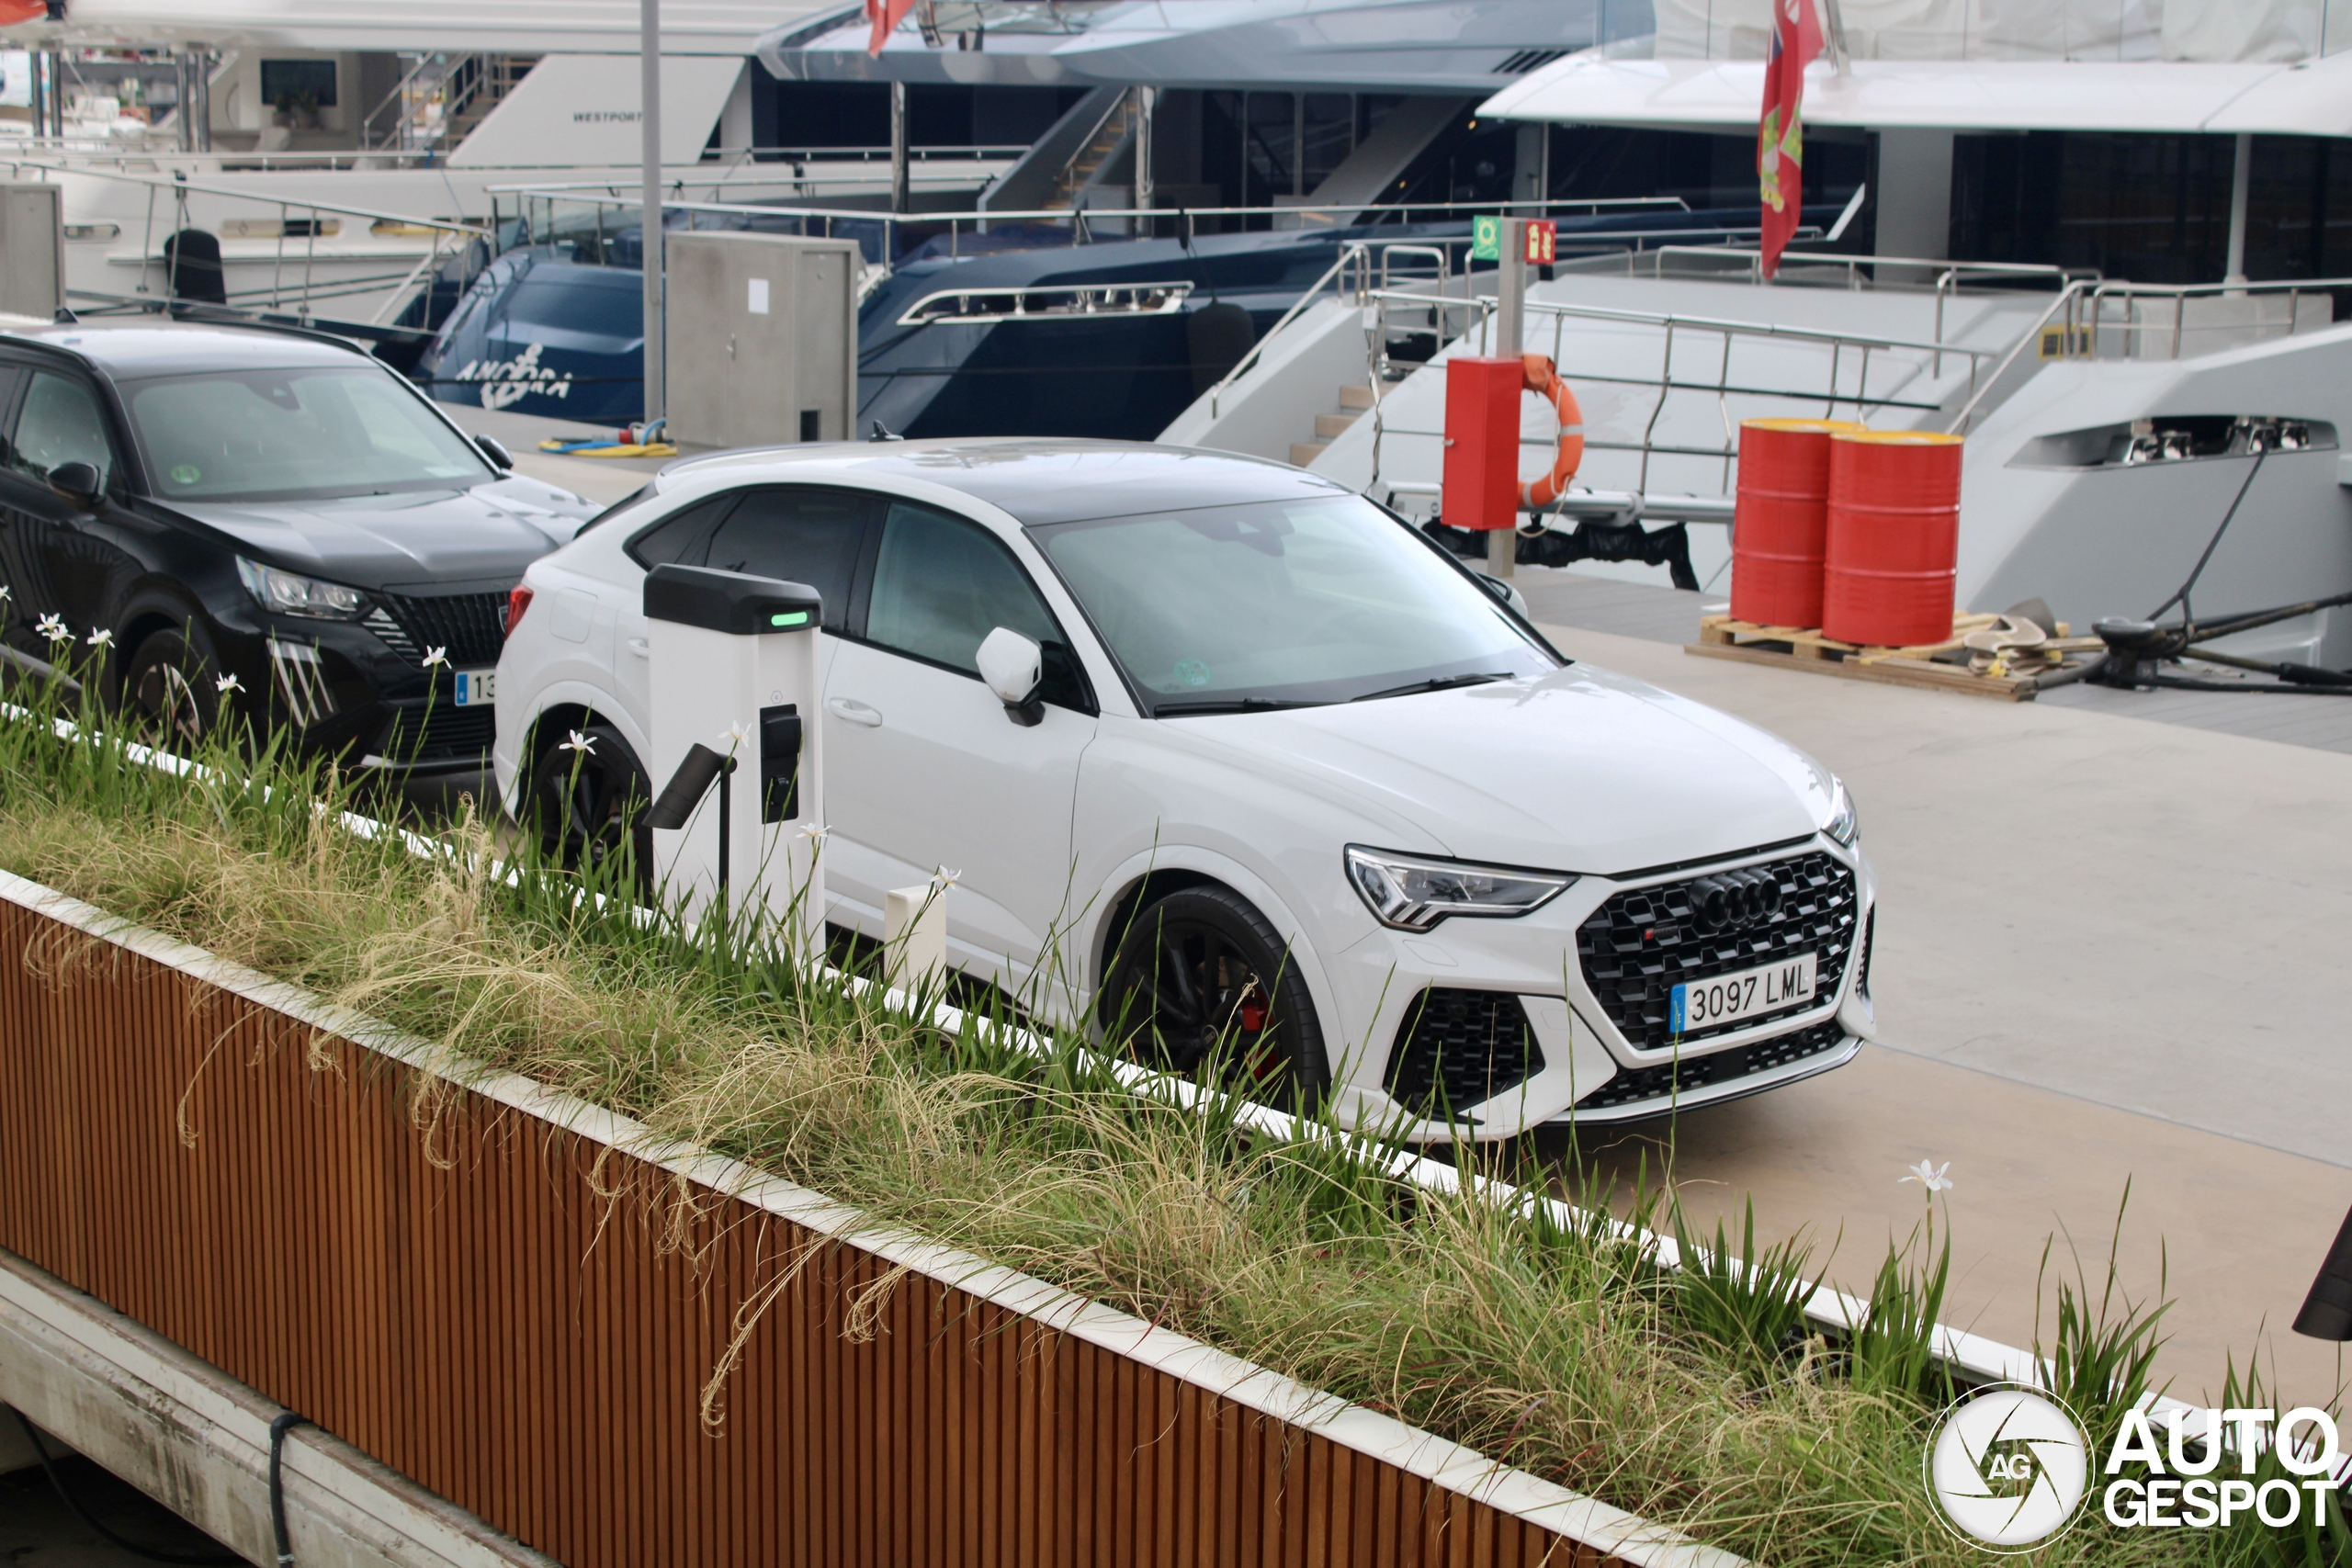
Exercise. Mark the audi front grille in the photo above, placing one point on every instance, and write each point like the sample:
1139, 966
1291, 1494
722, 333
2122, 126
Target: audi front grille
1644, 942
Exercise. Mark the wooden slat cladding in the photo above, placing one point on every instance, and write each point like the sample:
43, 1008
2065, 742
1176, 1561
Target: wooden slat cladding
491, 1308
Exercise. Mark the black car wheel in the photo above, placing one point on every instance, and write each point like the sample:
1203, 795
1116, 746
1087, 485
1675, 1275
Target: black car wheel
168, 688
587, 804
1199, 978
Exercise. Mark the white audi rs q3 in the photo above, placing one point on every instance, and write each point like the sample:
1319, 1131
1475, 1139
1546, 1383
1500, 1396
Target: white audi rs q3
1293, 786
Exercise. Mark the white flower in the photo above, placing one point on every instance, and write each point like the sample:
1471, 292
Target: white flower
436, 656
943, 878
5, 594
228, 683
736, 735
52, 628
814, 832
579, 742
1930, 1175
102, 638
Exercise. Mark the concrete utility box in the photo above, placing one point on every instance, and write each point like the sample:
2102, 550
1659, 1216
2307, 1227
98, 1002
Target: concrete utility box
32, 250
762, 339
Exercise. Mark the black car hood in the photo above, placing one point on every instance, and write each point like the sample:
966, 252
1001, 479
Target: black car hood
436, 538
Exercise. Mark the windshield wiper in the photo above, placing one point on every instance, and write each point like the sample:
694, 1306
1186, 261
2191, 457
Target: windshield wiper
1438, 684
1233, 704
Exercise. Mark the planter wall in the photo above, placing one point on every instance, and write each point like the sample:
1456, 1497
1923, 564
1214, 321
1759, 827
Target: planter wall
221, 1158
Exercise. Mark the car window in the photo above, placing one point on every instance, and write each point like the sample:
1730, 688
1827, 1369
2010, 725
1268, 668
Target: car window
60, 424
1317, 600
943, 583
281, 435
677, 538
800, 534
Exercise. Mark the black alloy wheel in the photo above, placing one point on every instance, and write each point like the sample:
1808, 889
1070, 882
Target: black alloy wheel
168, 689
1199, 980
588, 804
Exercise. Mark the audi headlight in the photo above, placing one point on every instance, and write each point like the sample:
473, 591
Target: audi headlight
1412, 894
291, 595
1841, 823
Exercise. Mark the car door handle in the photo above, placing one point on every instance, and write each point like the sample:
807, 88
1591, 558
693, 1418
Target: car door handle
856, 713
641, 648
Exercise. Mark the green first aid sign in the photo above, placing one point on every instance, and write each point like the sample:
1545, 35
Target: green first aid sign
1485, 239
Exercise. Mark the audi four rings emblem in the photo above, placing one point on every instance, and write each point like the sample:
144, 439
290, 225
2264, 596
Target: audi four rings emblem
1735, 899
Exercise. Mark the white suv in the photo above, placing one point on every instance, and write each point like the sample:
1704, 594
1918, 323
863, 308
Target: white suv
1294, 786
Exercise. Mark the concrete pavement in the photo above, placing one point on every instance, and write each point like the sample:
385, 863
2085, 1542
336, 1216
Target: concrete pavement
2108, 948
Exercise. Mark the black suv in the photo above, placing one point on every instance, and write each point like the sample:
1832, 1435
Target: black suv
269, 505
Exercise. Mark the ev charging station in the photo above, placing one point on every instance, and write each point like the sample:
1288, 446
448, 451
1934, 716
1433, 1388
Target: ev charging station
739, 812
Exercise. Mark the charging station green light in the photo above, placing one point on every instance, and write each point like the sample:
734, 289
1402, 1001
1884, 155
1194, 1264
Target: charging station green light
790, 618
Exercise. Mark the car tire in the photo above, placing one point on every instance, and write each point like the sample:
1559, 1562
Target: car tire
167, 688
586, 805
1200, 979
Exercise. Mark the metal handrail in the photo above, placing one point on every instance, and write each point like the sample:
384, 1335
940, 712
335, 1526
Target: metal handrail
2181, 293
1705, 323
400, 91
1350, 255
2064, 303
1755, 258
175, 185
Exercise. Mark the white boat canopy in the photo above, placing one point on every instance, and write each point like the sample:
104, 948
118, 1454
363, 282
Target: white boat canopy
2294, 98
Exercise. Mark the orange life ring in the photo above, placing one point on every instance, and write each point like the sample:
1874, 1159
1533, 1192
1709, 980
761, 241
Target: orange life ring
1544, 379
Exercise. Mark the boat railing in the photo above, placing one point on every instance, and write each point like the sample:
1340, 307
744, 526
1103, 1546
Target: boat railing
539, 218
1833, 395
446, 236
2078, 324
2137, 325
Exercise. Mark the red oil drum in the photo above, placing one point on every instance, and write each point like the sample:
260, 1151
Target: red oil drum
1780, 518
1893, 536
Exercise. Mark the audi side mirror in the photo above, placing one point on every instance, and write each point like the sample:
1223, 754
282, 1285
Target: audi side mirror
77, 482
1013, 667
495, 450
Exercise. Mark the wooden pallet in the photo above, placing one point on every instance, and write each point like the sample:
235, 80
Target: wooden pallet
1800, 648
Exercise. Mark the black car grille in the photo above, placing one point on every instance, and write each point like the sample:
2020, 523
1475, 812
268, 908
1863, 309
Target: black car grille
1692, 1074
449, 733
1643, 942
469, 627
1456, 1048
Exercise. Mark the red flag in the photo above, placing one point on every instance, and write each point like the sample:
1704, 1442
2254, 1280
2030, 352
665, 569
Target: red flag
1779, 137
884, 14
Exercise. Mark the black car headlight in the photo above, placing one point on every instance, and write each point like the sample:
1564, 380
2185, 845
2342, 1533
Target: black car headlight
290, 595
1413, 892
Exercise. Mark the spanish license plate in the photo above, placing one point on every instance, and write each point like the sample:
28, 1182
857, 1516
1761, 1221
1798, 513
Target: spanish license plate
1727, 998
476, 687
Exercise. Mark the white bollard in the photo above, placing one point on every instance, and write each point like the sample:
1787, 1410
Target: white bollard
737, 765
914, 936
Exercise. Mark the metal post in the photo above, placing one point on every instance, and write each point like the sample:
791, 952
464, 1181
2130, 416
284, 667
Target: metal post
183, 115
1511, 340
2241, 176
200, 98
649, 225
897, 151
1146, 104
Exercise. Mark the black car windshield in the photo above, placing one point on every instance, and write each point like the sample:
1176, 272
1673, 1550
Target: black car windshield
291, 435
1281, 603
